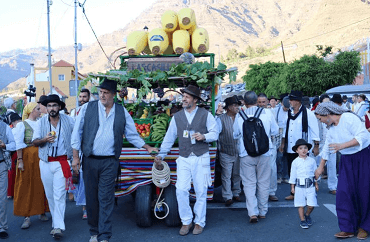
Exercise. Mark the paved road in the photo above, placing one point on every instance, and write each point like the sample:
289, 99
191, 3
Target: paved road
223, 224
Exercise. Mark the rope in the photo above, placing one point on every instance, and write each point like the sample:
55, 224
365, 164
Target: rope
161, 178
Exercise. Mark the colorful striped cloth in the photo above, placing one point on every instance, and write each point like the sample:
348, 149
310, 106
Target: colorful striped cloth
136, 170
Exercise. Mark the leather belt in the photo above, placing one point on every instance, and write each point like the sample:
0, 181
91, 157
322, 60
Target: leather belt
308, 182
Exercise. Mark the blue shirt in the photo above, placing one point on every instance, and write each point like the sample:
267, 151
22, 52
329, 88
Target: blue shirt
104, 139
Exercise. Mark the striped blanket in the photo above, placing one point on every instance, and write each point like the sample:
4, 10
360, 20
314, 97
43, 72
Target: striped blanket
136, 170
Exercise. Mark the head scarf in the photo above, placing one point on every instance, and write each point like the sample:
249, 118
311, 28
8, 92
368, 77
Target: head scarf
28, 109
327, 108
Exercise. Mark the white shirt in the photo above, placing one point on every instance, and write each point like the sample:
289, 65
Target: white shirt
171, 133
302, 169
18, 133
362, 108
104, 139
295, 130
10, 146
268, 122
281, 117
349, 127
56, 148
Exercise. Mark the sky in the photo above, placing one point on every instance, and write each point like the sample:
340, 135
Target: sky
24, 22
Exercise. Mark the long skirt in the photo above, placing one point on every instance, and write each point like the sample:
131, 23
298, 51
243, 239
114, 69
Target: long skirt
353, 192
29, 195
11, 176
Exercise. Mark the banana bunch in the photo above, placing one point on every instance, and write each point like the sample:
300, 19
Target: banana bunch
159, 127
145, 114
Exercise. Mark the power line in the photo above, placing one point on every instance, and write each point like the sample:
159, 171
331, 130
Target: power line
330, 31
67, 4
101, 47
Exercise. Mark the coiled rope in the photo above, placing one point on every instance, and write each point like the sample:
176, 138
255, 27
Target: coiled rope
161, 178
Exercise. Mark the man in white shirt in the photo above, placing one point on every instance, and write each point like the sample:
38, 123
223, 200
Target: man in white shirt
255, 171
83, 98
354, 105
262, 102
194, 127
301, 124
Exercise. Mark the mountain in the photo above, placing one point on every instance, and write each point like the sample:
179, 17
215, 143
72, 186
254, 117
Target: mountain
231, 24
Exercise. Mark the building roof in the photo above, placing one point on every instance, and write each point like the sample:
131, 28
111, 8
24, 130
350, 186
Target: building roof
60, 92
62, 63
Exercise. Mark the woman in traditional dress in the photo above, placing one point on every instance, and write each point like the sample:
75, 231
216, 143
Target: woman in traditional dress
348, 135
29, 195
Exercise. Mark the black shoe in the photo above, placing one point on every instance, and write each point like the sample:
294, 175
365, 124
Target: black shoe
4, 235
229, 202
273, 198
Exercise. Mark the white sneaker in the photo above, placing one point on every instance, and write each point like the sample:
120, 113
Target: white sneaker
57, 233
93, 238
52, 232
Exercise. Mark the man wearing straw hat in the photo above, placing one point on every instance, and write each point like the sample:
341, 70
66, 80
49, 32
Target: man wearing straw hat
102, 125
194, 127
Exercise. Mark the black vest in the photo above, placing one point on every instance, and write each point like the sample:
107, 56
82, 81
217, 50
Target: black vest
91, 126
199, 124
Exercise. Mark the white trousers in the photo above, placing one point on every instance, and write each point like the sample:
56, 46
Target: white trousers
255, 173
230, 175
198, 170
273, 177
55, 190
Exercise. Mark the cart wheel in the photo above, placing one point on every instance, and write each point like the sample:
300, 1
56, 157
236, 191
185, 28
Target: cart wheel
173, 218
143, 199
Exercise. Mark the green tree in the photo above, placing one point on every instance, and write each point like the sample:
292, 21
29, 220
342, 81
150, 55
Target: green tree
260, 75
310, 74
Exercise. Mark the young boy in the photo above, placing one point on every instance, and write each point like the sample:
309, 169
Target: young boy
302, 182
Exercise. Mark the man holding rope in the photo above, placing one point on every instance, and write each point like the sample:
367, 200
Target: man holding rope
194, 127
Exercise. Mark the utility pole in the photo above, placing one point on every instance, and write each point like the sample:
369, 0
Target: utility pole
282, 48
76, 64
49, 55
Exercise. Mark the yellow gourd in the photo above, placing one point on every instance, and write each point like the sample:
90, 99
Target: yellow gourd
186, 18
200, 40
136, 42
158, 41
169, 21
181, 41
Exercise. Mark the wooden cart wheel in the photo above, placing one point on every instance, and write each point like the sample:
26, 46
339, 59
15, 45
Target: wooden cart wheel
143, 211
173, 218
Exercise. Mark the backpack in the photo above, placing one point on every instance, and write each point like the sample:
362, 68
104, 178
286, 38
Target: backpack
255, 139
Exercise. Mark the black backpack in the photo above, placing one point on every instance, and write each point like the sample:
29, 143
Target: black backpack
255, 138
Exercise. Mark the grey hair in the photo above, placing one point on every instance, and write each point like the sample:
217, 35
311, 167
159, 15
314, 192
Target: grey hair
250, 98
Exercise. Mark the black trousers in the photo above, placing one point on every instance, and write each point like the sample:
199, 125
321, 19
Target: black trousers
290, 158
99, 175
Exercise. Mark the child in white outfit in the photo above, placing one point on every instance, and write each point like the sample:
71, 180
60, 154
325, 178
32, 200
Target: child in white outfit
302, 180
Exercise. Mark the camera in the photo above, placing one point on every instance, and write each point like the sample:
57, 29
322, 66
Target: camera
31, 91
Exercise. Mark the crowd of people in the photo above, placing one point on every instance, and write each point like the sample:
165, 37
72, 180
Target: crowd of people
261, 141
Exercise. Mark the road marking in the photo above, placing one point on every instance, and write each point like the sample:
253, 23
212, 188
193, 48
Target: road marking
239, 205
331, 208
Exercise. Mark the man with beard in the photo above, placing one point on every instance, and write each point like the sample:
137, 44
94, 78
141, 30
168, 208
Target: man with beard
194, 127
83, 98
53, 137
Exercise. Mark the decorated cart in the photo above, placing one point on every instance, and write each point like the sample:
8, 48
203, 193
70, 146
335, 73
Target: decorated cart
158, 75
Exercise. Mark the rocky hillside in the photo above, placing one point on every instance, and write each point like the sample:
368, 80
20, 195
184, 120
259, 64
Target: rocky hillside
301, 25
